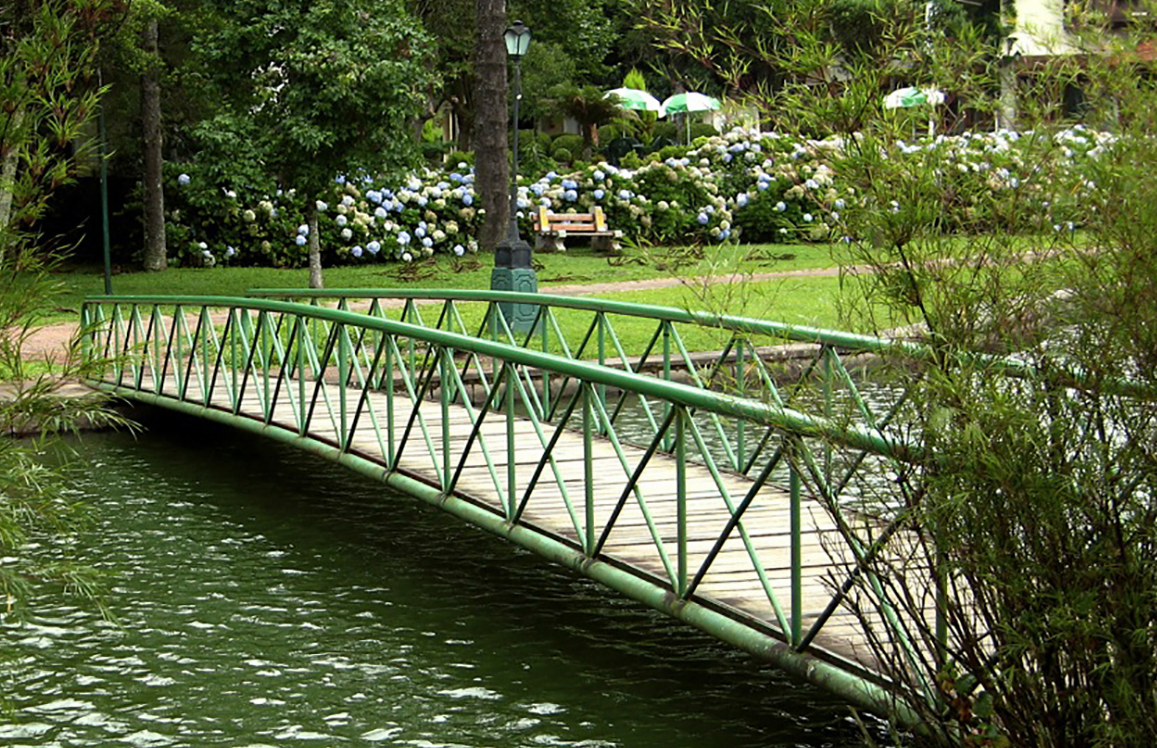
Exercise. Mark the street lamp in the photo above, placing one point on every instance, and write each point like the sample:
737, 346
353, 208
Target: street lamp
512, 258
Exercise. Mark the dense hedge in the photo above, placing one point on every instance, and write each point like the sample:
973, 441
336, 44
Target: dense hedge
762, 187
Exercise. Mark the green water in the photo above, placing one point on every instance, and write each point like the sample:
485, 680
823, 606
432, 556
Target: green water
264, 597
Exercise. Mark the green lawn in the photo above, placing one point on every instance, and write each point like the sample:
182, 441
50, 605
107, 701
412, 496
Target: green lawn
809, 301
579, 265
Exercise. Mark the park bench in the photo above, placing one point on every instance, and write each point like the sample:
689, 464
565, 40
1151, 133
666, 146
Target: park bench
551, 230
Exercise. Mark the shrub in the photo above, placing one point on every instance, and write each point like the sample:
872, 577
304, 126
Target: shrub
454, 158
703, 130
667, 131
562, 155
573, 143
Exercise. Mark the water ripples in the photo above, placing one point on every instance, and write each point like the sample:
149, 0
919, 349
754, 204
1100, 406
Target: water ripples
263, 597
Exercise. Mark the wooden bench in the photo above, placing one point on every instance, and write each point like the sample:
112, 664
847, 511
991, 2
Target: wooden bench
551, 230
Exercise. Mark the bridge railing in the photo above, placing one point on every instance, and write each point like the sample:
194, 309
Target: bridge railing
310, 370
787, 366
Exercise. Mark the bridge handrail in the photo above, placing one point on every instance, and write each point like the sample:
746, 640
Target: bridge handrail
1011, 366
795, 333
747, 408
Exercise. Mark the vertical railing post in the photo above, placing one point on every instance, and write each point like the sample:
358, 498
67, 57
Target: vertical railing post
602, 344
665, 326
511, 454
588, 467
343, 353
206, 358
681, 498
266, 363
741, 427
795, 485
445, 393
388, 373
545, 399
302, 360
828, 374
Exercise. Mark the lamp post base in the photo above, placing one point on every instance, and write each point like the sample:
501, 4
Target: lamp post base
519, 316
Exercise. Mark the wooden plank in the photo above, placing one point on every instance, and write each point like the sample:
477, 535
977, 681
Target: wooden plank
732, 581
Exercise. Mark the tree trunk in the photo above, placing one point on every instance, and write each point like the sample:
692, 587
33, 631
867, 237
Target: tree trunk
156, 255
490, 121
8, 171
315, 280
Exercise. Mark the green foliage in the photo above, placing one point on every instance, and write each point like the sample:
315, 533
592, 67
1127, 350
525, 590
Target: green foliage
572, 143
702, 130
454, 158
674, 151
607, 133
316, 90
48, 68
667, 130
562, 155
588, 106
635, 79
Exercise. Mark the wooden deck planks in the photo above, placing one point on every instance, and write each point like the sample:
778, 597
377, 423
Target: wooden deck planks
733, 579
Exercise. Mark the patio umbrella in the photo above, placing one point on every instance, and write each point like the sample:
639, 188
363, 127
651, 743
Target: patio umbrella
682, 103
633, 98
905, 98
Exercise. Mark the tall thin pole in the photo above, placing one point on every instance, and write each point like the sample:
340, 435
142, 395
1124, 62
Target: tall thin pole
104, 199
514, 162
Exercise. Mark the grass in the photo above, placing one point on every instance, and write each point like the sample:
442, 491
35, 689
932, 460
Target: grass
577, 266
812, 301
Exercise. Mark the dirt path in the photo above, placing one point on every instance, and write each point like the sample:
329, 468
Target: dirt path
51, 341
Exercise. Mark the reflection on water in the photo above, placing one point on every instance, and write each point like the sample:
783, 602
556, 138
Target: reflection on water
265, 597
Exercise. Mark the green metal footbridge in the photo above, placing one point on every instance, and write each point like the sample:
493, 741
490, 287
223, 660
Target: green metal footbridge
728, 490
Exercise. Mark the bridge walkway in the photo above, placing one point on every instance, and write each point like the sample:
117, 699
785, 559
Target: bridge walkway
595, 468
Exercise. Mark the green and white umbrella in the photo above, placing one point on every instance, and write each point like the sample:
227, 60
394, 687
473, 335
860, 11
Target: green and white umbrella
633, 98
681, 103
906, 98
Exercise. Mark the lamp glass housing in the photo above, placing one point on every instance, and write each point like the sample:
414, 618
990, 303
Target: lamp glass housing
517, 39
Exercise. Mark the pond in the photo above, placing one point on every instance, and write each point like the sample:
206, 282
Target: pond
266, 597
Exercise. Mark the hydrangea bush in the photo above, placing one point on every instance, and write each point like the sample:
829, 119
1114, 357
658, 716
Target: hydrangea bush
758, 187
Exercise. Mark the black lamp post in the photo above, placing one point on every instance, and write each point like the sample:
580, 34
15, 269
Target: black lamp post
512, 258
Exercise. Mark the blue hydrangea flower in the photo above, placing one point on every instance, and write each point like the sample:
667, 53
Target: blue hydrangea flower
183, 179
404, 238
374, 247
741, 199
427, 242
781, 206
811, 184
459, 250
570, 195
230, 251
341, 220
356, 251
301, 240
467, 199
703, 218
598, 194
599, 175
807, 217
303, 229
